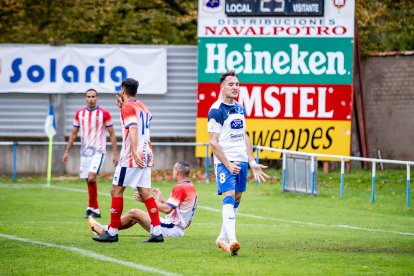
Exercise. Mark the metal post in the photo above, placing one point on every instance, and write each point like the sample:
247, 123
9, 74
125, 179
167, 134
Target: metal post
341, 190
313, 174
207, 160
373, 183
14, 162
283, 171
257, 161
408, 186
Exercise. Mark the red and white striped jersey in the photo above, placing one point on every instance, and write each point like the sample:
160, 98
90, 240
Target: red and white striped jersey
93, 125
183, 199
136, 113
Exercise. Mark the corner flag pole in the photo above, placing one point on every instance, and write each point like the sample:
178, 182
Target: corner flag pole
50, 129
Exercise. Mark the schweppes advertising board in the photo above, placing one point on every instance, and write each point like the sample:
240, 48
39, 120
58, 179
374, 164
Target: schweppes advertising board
295, 72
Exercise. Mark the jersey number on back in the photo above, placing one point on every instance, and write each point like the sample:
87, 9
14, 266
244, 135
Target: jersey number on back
145, 121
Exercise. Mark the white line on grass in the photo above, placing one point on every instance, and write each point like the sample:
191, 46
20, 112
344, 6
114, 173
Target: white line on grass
257, 217
90, 254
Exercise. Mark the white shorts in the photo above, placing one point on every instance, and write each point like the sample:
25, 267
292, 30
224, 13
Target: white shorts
133, 177
170, 230
91, 164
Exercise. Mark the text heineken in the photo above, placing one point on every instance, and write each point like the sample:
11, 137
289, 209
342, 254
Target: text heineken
294, 61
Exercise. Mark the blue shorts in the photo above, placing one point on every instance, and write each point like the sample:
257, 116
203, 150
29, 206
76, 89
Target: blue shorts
227, 181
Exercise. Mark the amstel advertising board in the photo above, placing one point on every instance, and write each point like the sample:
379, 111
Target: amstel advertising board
295, 72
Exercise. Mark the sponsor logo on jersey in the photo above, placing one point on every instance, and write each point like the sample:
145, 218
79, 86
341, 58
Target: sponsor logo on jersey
236, 124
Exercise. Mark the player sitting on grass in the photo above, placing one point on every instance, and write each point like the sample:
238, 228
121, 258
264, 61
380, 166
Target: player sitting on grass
179, 207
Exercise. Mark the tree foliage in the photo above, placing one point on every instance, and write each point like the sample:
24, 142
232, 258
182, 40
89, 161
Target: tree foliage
99, 21
384, 25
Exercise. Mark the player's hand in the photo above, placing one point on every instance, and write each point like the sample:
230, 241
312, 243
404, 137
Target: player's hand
157, 193
233, 168
119, 101
65, 157
138, 160
115, 158
137, 197
258, 173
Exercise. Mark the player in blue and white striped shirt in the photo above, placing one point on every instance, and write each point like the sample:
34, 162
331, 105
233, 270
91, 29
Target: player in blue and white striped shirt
233, 152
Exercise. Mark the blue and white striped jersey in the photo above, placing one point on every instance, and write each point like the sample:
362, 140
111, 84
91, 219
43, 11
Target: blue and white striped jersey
229, 121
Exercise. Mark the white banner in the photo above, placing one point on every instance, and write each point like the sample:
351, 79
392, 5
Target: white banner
338, 21
69, 69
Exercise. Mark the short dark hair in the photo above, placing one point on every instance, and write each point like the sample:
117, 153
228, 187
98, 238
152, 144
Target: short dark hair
91, 89
131, 86
226, 74
183, 168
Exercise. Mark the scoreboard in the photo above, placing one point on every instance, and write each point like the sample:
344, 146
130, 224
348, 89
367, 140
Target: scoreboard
274, 7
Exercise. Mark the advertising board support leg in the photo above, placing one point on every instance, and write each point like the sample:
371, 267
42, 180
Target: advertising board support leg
207, 164
283, 171
257, 161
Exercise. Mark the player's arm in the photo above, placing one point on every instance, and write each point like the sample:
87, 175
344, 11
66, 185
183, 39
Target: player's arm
249, 147
119, 102
133, 136
112, 138
213, 140
162, 202
258, 173
72, 138
162, 206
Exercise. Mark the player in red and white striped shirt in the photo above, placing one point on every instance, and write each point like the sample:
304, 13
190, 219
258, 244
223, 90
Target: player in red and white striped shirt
93, 122
135, 163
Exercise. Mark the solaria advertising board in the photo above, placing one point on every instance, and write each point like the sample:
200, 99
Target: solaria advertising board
294, 61
47, 69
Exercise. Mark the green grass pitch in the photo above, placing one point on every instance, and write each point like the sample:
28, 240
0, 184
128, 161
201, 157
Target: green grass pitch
43, 232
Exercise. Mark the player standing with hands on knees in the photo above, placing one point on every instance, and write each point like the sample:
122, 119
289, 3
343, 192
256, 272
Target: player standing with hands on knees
93, 122
135, 163
233, 152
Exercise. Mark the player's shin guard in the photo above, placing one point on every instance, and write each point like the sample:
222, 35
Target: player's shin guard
229, 218
117, 207
93, 194
154, 215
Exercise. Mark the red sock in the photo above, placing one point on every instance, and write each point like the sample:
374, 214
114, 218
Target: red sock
153, 211
117, 207
93, 194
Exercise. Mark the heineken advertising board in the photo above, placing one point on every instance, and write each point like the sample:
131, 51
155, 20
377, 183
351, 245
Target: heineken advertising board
295, 70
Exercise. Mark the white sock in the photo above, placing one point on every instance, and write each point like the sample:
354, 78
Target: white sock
156, 230
223, 236
113, 231
97, 211
229, 221
105, 227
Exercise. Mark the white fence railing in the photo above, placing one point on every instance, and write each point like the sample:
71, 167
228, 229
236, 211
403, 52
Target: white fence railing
340, 158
